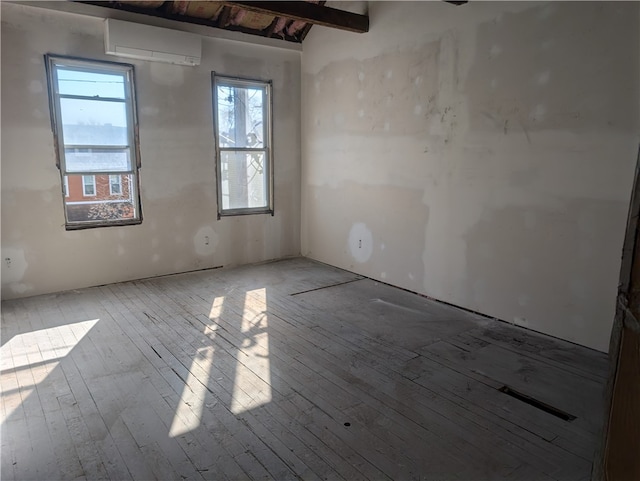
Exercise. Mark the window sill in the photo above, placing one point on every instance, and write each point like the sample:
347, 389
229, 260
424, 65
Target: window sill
95, 225
236, 212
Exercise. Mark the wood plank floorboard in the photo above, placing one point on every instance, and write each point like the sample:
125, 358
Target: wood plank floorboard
288, 370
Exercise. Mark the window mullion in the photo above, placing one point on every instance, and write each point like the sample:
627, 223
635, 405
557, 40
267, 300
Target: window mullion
89, 97
242, 149
100, 172
123, 148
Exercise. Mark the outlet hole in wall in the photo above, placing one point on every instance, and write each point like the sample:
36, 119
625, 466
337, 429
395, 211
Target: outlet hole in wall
537, 404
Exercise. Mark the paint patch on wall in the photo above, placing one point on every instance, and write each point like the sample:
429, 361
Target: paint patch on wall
205, 241
35, 87
360, 242
543, 77
523, 300
520, 321
166, 74
46, 196
150, 111
14, 265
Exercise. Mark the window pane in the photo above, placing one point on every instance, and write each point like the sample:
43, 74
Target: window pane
103, 206
73, 82
94, 122
115, 185
88, 185
97, 160
240, 116
243, 180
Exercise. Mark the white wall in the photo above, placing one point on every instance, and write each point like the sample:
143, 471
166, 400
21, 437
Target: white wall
177, 176
482, 155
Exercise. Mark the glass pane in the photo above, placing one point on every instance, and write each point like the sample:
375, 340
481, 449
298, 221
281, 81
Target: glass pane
93, 122
88, 185
73, 82
104, 205
115, 184
241, 117
97, 160
243, 180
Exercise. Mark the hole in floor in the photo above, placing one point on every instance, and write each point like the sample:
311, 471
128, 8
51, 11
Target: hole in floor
537, 404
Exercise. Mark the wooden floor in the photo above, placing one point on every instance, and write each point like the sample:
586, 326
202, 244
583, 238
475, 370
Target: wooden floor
288, 370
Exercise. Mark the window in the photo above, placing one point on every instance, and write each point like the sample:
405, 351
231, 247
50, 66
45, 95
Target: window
242, 113
115, 185
88, 185
94, 123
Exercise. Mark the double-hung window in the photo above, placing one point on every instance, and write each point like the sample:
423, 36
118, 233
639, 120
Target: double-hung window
89, 185
242, 120
95, 130
115, 185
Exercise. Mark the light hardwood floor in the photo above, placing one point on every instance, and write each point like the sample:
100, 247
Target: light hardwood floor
286, 370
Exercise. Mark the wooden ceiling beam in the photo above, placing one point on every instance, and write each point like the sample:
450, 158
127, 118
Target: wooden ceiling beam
223, 18
309, 12
268, 32
305, 30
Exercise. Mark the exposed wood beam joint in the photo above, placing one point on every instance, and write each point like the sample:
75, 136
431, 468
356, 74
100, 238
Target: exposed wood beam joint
223, 18
307, 28
268, 32
165, 7
309, 12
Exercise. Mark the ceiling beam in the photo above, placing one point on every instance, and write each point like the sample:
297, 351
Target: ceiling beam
223, 18
309, 12
147, 16
268, 32
307, 28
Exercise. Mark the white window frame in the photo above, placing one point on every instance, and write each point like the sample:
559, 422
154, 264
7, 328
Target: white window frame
92, 184
52, 62
267, 108
66, 186
111, 182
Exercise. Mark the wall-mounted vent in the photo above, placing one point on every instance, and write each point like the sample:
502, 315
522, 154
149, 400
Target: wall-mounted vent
132, 40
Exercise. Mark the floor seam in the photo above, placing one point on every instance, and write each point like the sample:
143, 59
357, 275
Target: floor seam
326, 287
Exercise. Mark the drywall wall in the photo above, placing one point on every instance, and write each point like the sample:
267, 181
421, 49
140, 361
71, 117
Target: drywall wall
180, 230
482, 155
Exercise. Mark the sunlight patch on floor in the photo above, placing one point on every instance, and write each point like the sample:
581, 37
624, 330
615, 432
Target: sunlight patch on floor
191, 406
27, 359
216, 308
252, 386
190, 409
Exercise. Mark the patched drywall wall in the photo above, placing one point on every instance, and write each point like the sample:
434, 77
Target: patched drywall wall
482, 155
180, 230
